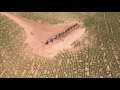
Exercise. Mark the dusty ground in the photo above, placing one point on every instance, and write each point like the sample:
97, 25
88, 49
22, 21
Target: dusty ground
38, 32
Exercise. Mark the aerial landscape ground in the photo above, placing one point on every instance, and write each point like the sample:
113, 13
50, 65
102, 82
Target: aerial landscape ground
59, 45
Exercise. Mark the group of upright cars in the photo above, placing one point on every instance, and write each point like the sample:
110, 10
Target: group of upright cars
58, 36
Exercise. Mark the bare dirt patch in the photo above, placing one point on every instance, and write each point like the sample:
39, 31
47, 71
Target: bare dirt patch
38, 33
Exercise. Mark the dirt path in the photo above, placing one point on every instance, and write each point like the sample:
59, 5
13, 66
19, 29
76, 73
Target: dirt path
39, 32
21, 22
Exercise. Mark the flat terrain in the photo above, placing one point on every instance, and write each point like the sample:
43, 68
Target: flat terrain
39, 33
91, 51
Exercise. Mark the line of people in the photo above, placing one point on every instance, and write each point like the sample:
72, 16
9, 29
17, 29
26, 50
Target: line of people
61, 34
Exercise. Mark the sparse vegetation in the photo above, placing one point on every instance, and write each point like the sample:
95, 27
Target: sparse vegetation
56, 17
99, 58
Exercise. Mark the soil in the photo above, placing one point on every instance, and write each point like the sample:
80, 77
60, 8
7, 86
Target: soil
38, 33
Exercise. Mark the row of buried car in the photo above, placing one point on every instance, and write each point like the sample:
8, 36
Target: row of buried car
61, 34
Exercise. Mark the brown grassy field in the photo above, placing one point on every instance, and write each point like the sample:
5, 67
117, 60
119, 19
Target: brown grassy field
89, 51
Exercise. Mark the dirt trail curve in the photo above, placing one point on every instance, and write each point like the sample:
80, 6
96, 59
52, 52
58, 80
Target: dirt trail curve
19, 21
41, 32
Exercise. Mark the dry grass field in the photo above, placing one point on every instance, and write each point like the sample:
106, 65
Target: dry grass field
91, 50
